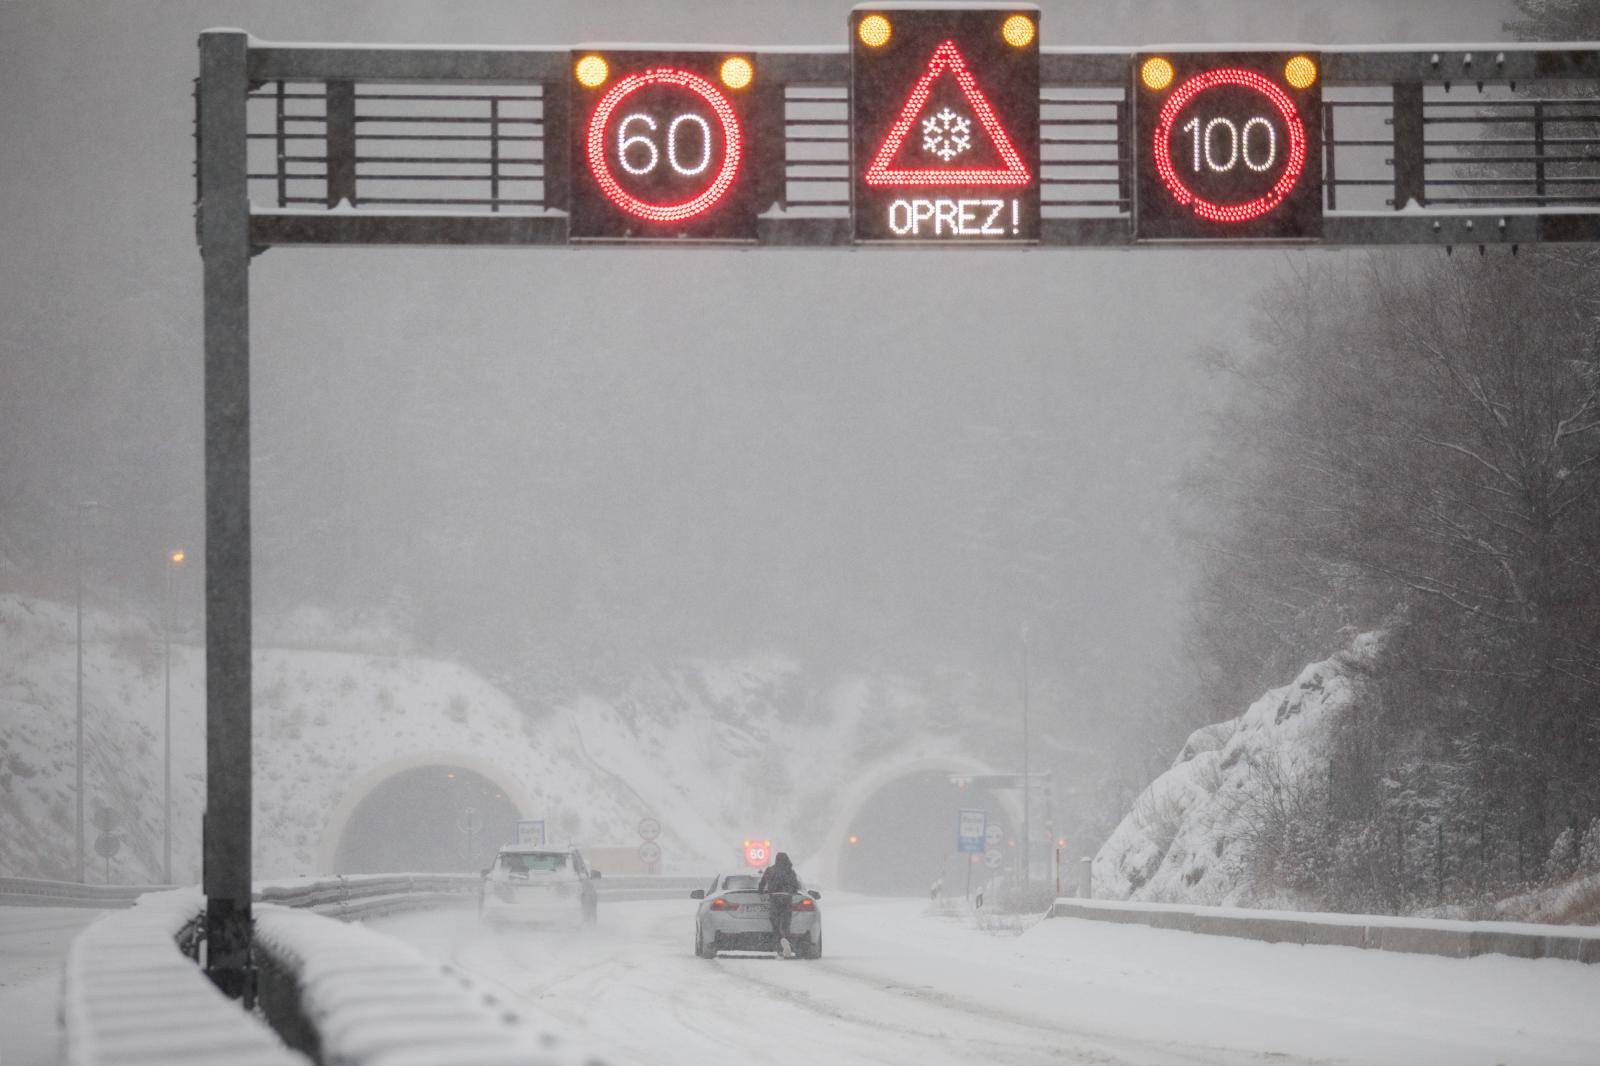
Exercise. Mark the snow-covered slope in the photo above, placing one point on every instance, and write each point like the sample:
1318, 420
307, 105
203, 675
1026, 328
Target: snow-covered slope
718, 751
1189, 834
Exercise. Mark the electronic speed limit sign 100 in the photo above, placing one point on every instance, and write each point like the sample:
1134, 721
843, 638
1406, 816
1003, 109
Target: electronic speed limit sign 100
662, 145
1228, 145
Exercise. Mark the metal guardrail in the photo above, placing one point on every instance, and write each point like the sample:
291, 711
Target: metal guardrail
342, 896
31, 892
1448, 938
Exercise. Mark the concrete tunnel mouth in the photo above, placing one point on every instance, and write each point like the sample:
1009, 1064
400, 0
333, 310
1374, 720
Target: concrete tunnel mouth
905, 837
412, 821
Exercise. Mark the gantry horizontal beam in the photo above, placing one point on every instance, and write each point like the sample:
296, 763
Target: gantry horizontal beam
288, 228
271, 61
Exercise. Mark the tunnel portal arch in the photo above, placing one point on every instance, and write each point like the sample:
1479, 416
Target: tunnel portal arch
477, 775
832, 858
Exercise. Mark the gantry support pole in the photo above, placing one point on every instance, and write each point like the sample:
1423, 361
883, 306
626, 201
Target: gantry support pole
224, 230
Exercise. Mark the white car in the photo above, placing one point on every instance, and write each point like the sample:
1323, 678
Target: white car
538, 885
734, 916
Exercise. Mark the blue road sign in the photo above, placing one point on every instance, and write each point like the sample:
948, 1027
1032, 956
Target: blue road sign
969, 830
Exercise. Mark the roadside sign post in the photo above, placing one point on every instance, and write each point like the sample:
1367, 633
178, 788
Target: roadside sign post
650, 851
971, 826
471, 821
530, 832
107, 844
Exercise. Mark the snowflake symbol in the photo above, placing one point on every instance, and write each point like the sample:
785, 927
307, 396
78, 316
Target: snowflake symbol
946, 134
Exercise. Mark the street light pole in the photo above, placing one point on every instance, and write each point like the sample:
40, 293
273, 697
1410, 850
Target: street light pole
1027, 839
79, 748
174, 560
84, 506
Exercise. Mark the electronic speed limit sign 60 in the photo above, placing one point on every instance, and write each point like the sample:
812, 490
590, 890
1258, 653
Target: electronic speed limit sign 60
1229, 145
661, 145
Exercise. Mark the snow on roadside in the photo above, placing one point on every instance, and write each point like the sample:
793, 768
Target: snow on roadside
897, 986
1187, 837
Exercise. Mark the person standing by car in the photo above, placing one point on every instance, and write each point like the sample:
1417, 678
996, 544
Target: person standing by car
779, 883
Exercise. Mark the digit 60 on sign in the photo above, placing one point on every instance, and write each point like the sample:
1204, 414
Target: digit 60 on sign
662, 145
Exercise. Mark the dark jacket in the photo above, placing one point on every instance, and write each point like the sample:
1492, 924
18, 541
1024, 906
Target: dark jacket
780, 876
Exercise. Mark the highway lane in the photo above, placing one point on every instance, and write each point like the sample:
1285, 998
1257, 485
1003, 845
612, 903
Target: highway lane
898, 985
33, 948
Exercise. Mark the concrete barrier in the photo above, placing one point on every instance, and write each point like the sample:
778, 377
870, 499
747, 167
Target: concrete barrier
1446, 938
1423, 940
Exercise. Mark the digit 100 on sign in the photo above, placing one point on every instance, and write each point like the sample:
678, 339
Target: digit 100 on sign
1228, 145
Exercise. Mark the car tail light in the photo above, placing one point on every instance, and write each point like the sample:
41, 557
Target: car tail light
804, 903
724, 905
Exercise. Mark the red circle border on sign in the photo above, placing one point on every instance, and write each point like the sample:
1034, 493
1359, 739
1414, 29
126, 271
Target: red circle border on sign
732, 140
1245, 79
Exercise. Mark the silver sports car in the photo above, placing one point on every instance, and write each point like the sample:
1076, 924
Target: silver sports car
733, 916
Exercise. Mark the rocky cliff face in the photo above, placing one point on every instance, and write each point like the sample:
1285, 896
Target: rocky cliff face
1237, 788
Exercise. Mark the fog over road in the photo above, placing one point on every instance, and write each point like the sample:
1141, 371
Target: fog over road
899, 986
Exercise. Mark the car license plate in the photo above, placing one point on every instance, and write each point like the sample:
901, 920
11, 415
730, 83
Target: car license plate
754, 908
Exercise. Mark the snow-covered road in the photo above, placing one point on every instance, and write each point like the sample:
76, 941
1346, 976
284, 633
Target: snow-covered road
898, 986
33, 948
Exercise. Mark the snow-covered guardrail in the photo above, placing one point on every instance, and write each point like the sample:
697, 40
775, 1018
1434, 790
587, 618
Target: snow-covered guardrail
30, 892
131, 997
356, 896
1423, 936
342, 896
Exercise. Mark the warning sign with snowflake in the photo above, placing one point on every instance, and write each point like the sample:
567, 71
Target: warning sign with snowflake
945, 124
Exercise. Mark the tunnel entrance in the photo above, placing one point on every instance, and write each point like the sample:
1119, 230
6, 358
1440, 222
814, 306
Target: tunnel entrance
413, 823
904, 838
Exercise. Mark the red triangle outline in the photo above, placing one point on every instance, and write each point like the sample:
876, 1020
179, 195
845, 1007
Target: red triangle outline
948, 56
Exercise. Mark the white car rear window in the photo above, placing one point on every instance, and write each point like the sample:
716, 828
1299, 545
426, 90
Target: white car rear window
533, 862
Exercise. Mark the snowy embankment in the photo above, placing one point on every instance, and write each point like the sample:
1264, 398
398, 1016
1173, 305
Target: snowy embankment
717, 751
1190, 833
